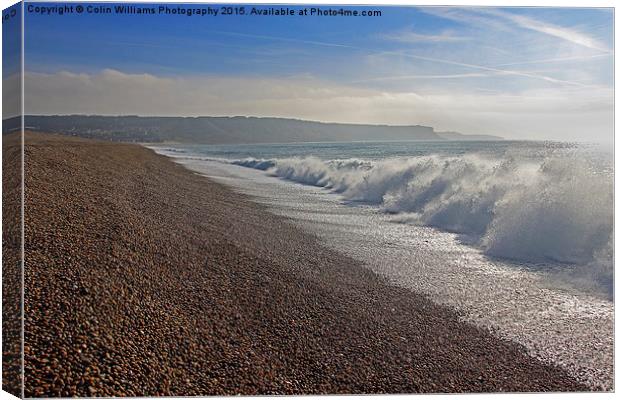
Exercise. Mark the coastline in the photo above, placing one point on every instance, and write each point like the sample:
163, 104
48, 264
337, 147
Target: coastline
144, 278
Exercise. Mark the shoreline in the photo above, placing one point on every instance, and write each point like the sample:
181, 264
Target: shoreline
145, 278
555, 323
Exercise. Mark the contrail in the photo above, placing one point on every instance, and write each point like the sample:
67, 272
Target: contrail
404, 54
574, 58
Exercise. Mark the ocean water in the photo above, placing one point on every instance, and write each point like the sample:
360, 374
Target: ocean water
516, 236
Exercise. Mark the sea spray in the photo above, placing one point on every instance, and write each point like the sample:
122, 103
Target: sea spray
555, 209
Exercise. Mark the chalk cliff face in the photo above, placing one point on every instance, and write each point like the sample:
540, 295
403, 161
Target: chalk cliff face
217, 130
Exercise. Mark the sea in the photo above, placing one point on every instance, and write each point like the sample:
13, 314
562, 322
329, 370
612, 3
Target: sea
515, 236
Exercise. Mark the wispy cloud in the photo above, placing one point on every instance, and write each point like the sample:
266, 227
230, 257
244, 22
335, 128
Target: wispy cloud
555, 60
568, 34
282, 39
422, 77
496, 19
492, 69
415, 37
466, 16
413, 56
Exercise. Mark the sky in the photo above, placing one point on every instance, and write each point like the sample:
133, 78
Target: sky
521, 73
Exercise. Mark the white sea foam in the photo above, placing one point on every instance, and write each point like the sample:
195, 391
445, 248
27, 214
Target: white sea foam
557, 209
555, 319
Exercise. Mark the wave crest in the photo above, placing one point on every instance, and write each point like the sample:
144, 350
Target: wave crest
557, 209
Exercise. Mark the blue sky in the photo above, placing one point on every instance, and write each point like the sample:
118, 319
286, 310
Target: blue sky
517, 72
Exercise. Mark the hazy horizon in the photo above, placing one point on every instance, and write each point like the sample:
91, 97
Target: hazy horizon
519, 73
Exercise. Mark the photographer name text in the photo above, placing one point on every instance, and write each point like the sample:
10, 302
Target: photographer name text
189, 11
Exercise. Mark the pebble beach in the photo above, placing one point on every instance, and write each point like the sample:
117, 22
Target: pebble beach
143, 278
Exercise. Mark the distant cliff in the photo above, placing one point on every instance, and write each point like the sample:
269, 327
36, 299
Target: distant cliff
463, 137
217, 130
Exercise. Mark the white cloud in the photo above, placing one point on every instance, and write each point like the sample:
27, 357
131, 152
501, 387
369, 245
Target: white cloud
483, 16
568, 34
557, 113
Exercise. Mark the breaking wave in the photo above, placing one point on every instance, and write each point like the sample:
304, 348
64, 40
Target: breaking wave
558, 209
